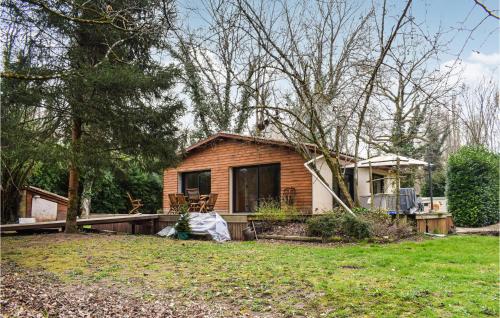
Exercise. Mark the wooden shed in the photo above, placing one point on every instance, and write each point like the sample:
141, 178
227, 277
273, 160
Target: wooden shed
42, 205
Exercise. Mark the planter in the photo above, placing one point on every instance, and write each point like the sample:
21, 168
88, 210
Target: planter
182, 235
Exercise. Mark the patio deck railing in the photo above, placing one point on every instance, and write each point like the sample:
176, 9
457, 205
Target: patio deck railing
381, 201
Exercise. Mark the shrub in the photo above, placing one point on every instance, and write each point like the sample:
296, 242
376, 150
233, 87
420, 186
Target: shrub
361, 210
182, 224
392, 230
271, 210
473, 185
325, 225
356, 227
383, 225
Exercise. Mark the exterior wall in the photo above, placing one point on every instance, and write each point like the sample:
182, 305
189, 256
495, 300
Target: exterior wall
322, 198
27, 200
364, 177
363, 184
220, 157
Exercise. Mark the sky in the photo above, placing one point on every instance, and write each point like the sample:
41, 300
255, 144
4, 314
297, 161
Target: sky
477, 42
474, 38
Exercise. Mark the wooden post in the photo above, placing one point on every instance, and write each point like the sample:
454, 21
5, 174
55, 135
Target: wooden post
397, 186
371, 186
430, 187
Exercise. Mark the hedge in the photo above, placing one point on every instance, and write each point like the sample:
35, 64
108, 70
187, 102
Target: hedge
472, 186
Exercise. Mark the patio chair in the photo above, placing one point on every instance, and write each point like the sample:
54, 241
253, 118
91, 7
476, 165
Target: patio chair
212, 198
181, 200
136, 204
193, 199
174, 203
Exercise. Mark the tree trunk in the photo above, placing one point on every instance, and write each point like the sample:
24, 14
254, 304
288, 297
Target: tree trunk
73, 178
14, 176
334, 165
10, 205
397, 187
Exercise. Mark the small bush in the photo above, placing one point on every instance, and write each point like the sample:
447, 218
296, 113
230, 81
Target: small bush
325, 226
356, 227
182, 224
392, 230
361, 211
271, 210
473, 185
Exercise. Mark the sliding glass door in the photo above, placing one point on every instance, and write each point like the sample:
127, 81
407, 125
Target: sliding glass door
254, 184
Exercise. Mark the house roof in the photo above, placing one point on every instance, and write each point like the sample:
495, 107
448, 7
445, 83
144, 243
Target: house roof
254, 139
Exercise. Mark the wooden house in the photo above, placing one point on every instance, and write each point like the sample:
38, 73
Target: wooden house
245, 170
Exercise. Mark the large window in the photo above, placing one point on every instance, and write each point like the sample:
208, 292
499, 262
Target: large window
197, 179
254, 184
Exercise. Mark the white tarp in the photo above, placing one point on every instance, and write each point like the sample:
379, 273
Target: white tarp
204, 223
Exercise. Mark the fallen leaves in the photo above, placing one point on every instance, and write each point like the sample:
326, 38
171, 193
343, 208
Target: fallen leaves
39, 294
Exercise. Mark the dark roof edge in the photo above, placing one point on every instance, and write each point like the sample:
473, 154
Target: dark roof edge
46, 193
262, 140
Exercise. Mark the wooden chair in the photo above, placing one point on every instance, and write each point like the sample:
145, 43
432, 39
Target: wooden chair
212, 198
174, 203
136, 204
193, 199
181, 200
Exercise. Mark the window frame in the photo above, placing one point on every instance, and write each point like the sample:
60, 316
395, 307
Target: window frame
199, 172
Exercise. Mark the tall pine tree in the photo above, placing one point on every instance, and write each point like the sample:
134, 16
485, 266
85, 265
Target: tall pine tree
115, 96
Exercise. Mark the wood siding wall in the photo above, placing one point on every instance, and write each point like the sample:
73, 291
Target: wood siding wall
220, 157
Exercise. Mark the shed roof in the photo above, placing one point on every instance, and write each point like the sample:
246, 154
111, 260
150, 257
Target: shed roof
46, 193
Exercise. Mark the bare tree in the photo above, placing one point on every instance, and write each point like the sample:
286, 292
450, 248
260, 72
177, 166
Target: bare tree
223, 70
409, 90
478, 113
327, 59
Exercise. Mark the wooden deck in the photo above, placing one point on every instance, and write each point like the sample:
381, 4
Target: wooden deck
134, 224
136, 218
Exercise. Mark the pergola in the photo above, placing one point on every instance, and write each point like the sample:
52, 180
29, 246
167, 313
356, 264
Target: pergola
393, 161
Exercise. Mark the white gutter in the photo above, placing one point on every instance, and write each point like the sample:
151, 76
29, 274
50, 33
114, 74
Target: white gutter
335, 196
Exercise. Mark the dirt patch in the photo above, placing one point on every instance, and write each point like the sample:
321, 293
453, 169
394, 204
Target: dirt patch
291, 228
39, 294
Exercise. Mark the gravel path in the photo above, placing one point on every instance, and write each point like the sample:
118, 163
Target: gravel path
490, 229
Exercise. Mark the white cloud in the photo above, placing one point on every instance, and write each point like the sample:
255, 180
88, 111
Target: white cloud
487, 59
474, 68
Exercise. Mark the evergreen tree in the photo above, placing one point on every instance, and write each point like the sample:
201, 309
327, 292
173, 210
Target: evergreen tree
115, 97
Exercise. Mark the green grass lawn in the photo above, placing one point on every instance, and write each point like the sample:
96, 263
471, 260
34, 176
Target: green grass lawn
450, 277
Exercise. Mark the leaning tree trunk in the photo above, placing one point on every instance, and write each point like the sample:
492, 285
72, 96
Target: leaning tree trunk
334, 165
73, 198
